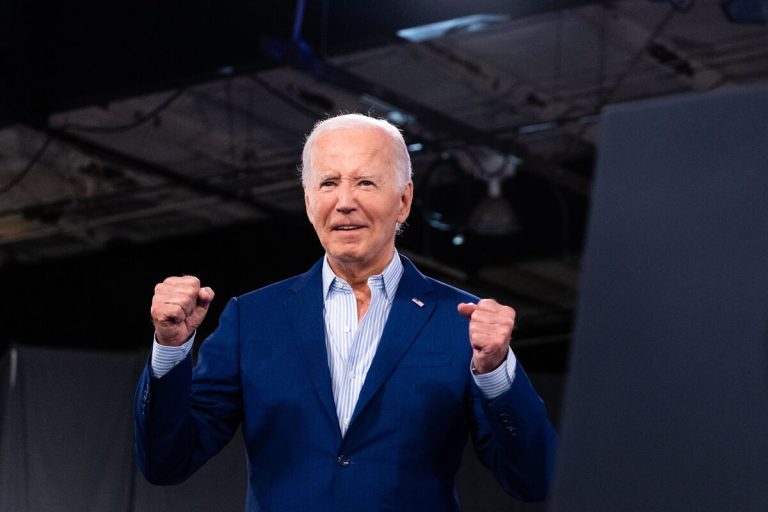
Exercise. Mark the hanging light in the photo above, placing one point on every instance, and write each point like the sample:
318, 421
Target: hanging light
494, 215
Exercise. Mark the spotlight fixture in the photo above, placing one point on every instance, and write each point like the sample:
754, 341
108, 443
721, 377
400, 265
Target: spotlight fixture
462, 193
494, 215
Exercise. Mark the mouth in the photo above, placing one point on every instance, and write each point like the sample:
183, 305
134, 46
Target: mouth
347, 227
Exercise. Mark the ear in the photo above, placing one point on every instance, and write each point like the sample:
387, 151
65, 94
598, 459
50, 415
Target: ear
406, 199
309, 208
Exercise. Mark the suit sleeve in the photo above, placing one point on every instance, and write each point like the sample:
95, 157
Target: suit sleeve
513, 437
187, 416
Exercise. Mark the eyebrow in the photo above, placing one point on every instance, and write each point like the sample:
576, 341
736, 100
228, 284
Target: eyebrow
335, 176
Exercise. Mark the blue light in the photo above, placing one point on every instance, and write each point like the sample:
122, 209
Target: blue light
226, 70
397, 117
394, 114
471, 23
537, 127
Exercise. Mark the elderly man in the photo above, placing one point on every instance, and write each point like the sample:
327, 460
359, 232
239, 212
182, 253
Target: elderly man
356, 383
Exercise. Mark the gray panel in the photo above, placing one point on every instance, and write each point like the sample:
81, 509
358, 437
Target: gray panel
667, 401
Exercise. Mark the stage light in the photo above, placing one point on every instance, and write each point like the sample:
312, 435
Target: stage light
394, 114
471, 23
454, 201
494, 216
226, 71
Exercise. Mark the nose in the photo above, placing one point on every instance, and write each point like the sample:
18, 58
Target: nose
345, 198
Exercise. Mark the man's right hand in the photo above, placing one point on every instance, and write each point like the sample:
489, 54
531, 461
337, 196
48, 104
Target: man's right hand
178, 308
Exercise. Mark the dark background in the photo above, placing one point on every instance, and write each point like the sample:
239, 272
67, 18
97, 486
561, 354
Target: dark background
145, 139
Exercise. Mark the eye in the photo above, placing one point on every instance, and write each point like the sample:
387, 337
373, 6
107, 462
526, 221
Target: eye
367, 183
327, 183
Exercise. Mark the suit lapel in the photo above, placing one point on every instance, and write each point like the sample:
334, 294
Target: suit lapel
305, 310
406, 319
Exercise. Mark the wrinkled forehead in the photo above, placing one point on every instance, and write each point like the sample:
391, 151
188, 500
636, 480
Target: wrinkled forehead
370, 146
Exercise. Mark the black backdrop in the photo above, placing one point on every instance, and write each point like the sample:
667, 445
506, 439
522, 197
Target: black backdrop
66, 442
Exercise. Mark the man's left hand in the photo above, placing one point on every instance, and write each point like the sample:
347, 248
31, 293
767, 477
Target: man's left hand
490, 329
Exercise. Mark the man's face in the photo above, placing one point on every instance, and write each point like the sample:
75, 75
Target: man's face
354, 198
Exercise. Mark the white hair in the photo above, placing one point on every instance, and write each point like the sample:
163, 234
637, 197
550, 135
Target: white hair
347, 121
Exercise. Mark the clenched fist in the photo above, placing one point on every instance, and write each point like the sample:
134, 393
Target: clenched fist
490, 329
178, 308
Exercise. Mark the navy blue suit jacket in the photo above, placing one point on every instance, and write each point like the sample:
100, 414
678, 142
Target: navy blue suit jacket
265, 367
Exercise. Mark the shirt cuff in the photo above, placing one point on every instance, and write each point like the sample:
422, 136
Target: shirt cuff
494, 383
164, 357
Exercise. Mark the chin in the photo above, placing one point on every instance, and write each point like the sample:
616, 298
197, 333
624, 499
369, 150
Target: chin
345, 256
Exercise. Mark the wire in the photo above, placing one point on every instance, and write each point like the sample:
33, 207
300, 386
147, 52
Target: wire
324, 29
23, 173
635, 59
285, 97
605, 96
152, 114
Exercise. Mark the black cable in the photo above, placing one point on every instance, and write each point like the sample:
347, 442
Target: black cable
298, 21
285, 97
635, 59
602, 58
231, 120
605, 96
324, 29
152, 114
23, 173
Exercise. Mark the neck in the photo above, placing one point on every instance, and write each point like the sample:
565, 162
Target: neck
357, 274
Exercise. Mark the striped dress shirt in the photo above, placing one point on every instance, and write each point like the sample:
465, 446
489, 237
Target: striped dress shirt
351, 345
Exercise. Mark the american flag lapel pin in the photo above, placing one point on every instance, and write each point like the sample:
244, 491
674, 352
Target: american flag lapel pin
417, 302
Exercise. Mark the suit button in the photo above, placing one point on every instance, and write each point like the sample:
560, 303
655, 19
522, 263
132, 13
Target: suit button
343, 461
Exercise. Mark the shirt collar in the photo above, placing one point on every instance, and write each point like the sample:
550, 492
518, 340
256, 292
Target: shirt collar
388, 280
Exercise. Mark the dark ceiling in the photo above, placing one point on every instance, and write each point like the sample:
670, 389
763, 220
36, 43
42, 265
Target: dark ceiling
61, 55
